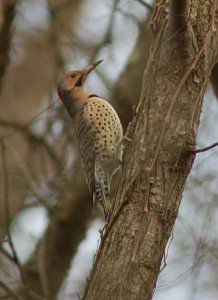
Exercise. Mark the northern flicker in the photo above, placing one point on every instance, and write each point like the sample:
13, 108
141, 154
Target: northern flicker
98, 133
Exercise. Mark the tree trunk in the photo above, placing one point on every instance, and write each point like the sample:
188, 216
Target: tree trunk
158, 155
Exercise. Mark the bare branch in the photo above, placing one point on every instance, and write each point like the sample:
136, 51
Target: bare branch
5, 34
7, 212
9, 290
67, 228
144, 3
204, 149
6, 190
107, 39
32, 138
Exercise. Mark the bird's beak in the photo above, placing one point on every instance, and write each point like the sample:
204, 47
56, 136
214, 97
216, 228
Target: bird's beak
92, 67
85, 73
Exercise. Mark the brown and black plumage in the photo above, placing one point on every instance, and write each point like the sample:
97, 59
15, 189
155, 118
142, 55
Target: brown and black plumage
98, 133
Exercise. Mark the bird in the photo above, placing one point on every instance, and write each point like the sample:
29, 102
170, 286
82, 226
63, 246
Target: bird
98, 132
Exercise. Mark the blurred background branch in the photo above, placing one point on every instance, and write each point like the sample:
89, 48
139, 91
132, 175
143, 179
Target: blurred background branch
7, 10
53, 229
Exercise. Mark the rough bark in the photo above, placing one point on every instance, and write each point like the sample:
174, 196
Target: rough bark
157, 158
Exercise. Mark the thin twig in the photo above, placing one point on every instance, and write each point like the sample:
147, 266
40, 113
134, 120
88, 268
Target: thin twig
9, 290
108, 37
35, 295
150, 7
205, 148
28, 177
34, 119
5, 253
6, 200
33, 138
7, 211
5, 178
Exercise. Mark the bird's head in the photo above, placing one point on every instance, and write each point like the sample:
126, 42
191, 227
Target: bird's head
74, 79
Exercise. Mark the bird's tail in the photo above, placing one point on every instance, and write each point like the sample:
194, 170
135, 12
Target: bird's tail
104, 201
102, 190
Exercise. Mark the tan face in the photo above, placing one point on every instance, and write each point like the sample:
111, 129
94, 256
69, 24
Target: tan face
75, 79
71, 80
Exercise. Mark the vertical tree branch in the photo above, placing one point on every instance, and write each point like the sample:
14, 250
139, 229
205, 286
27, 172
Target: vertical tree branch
157, 161
5, 34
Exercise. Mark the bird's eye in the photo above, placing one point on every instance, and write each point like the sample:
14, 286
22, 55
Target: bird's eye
73, 75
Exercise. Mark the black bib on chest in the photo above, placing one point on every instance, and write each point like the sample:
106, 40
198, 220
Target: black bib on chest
93, 95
